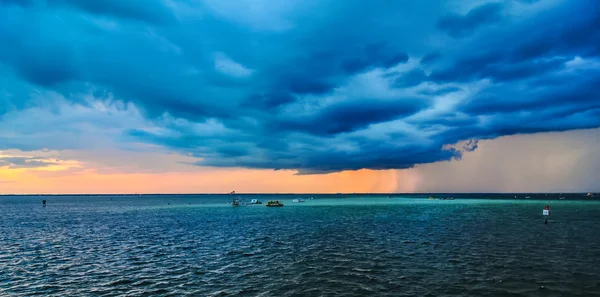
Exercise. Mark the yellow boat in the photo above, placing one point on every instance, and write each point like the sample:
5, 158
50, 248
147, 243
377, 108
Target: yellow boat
275, 203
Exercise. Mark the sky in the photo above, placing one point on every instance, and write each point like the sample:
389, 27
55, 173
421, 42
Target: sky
210, 96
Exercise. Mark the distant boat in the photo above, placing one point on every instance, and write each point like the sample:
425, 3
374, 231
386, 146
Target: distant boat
431, 197
237, 202
527, 197
298, 200
275, 203
255, 201
561, 198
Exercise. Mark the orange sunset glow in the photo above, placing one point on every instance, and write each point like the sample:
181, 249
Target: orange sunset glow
66, 177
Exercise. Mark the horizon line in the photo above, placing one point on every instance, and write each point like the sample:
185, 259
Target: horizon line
288, 193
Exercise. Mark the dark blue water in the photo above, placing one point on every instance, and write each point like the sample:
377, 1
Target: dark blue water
365, 246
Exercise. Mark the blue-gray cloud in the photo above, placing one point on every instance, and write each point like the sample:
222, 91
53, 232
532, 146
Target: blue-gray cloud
315, 86
26, 162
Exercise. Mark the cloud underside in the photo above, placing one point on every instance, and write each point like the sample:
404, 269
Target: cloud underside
26, 162
274, 85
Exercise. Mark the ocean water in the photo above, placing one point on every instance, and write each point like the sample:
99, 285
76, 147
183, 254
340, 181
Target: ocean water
328, 246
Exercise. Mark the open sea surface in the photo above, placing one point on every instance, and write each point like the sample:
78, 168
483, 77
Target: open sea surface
332, 245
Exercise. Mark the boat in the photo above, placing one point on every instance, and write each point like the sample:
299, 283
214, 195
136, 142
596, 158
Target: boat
238, 202
311, 198
298, 200
561, 198
274, 203
527, 197
431, 197
255, 201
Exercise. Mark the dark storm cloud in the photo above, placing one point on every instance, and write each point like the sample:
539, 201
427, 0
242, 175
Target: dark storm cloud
579, 93
430, 58
410, 79
320, 71
316, 86
441, 91
152, 11
461, 25
496, 68
350, 116
323, 161
268, 101
374, 55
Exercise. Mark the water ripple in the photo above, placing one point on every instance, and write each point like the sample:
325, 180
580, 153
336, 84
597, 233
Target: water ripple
138, 248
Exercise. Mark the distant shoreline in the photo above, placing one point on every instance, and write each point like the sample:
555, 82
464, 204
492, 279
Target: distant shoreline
465, 195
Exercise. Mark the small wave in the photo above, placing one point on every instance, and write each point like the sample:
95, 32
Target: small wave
143, 283
121, 282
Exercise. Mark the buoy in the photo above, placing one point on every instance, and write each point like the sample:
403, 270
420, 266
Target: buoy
546, 213
44, 203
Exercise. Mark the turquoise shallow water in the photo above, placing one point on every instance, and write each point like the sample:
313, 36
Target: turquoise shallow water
329, 246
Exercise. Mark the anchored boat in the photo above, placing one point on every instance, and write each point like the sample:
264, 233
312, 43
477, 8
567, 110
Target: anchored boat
237, 202
274, 203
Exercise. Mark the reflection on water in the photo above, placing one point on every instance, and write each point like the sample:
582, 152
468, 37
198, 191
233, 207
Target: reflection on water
200, 246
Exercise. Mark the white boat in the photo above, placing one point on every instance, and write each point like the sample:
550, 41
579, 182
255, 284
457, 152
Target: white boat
238, 202
255, 201
298, 200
